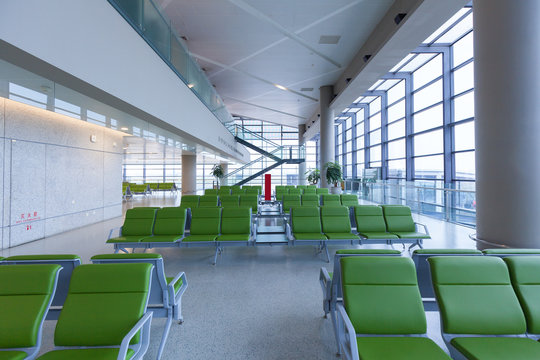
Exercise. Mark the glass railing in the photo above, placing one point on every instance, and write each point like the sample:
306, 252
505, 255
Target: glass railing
154, 27
430, 198
250, 136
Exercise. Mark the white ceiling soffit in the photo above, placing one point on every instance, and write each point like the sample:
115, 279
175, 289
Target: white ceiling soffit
259, 54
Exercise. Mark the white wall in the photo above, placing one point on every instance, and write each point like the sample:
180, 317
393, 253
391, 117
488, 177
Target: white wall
54, 173
92, 41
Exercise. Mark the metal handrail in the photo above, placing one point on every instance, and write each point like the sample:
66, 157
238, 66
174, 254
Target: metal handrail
474, 238
417, 187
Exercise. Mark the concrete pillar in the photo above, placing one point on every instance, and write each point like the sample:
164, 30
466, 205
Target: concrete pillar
189, 174
301, 166
327, 136
507, 118
225, 166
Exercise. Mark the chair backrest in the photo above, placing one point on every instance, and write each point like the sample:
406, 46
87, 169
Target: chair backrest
238, 191
223, 192
371, 285
369, 218
398, 218
321, 191
236, 220
280, 192
253, 190
294, 191
210, 191
335, 219
230, 200
170, 221
108, 299
331, 200
250, 200
26, 292
475, 296
525, 277
153, 186
189, 201
158, 282
290, 187
66, 261
306, 219
225, 187
301, 186
205, 221
349, 200
310, 190
208, 200
310, 200
290, 201
139, 221
236, 187
511, 252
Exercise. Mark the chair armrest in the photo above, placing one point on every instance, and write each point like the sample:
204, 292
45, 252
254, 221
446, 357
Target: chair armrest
119, 228
145, 321
288, 231
183, 287
347, 334
417, 225
326, 283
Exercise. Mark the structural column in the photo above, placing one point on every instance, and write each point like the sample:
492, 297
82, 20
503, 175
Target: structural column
225, 166
507, 117
302, 165
189, 174
327, 136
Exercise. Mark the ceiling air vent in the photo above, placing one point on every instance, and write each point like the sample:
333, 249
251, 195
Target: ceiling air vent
329, 39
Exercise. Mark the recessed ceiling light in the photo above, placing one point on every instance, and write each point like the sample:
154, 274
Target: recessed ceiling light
280, 87
190, 85
124, 128
329, 39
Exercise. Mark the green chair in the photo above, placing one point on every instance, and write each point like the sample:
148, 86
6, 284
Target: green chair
303, 187
205, 228
26, 292
250, 200
153, 186
310, 200
481, 317
253, 190
420, 257
236, 227
322, 191
168, 227
294, 191
208, 201
305, 228
225, 187
310, 190
331, 281
165, 298
230, 200
399, 221
104, 316
223, 192
381, 316
280, 191
330, 200
511, 252
210, 192
290, 201
238, 191
66, 261
349, 200
289, 187
138, 224
189, 201
336, 224
370, 225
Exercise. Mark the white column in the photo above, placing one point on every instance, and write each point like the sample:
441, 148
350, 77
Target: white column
326, 141
301, 166
507, 117
189, 174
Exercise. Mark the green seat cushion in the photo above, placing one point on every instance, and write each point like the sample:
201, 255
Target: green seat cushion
399, 348
236, 221
177, 285
84, 354
378, 235
25, 292
126, 239
349, 200
162, 238
12, 355
367, 251
126, 256
369, 219
497, 348
398, 218
44, 257
306, 219
233, 237
341, 236
309, 236
511, 251
447, 251
411, 235
194, 238
170, 221
335, 219
139, 221
331, 200
205, 221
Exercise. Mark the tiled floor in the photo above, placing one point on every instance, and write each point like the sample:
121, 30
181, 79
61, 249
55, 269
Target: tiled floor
256, 303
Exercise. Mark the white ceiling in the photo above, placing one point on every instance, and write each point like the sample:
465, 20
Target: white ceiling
247, 47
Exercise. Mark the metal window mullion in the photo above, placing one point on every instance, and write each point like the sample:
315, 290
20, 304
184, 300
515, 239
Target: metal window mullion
343, 149
366, 136
353, 146
384, 136
409, 129
447, 116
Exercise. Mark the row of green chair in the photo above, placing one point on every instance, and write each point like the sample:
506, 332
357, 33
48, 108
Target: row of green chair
288, 201
251, 190
165, 297
196, 201
284, 190
104, 315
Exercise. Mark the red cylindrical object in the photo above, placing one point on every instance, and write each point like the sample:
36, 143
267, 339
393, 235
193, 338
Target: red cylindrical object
267, 187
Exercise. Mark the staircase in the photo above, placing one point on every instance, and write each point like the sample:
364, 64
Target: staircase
273, 156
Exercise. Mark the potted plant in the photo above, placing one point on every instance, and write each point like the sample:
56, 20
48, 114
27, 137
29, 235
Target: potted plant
313, 176
218, 173
333, 176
